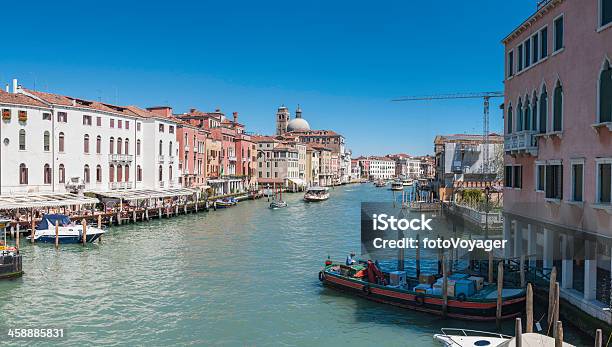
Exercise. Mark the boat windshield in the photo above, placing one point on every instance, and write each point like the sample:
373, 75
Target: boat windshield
50, 219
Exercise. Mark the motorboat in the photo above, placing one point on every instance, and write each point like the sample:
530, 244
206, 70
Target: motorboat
380, 184
397, 186
278, 201
226, 202
408, 182
314, 194
454, 337
67, 231
10, 259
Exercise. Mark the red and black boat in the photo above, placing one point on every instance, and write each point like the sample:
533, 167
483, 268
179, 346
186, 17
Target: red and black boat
364, 279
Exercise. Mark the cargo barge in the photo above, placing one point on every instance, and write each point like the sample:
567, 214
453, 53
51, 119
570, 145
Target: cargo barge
468, 297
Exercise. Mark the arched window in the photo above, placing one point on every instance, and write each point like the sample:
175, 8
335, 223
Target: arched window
127, 173
22, 140
111, 145
170, 149
534, 112
137, 147
86, 174
170, 173
138, 173
46, 141
98, 144
62, 173
519, 120
60, 141
127, 146
23, 174
86, 144
605, 93
47, 174
558, 108
509, 122
98, 173
119, 144
543, 111
161, 148
161, 173
111, 173
527, 119
119, 173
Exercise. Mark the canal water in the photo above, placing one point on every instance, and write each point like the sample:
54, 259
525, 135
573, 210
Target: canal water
241, 276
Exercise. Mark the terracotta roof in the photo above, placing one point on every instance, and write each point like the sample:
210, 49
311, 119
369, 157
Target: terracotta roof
57, 99
263, 138
19, 99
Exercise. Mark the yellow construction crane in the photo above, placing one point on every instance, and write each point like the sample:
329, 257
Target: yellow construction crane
486, 96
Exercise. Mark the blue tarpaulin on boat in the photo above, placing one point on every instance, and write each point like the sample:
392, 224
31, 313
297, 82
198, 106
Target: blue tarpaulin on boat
49, 219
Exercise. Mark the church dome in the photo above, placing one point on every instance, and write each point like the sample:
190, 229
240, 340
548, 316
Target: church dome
298, 124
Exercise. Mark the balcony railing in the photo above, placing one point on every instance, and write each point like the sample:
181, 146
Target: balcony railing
126, 158
231, 158
170, 160
186, 148
160, 158
119, 185
522, 142
161, 184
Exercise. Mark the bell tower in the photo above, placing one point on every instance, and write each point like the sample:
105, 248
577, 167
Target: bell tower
282, 119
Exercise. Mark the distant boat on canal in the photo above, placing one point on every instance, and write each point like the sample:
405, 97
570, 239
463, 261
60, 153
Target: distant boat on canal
68, 231
314, 194
226, 202
408, 182
380, 184
467, 297
278, 201
397, 186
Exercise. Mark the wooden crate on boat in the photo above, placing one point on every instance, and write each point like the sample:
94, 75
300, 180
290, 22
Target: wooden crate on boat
450, 287
427, 279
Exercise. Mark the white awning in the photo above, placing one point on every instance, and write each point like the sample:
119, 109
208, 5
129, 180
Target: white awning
142, 194
39, 200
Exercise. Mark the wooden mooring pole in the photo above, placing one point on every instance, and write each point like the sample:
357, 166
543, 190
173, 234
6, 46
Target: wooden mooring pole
18, 236
99, 221
84, 224
418, 257
556, 305
490, 267
598, 338
56, 234
518, 333
522, 271
444, 288
529, 309
33, 228
559, 334
500, 287
551, 294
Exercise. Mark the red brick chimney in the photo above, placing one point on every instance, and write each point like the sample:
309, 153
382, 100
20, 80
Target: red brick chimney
164, 111
235, 114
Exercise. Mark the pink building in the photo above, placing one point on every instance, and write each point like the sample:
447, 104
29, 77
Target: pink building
558, 146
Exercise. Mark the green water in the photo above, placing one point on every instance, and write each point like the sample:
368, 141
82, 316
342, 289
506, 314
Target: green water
240, 276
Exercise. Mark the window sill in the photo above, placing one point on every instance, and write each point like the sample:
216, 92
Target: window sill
553, 201
525, 69
560, 50
575, 203
539, 191
605, 207
604, 27
597, 126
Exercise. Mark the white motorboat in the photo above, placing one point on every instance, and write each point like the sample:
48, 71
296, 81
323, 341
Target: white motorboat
452, 337
314, 194
398, 186
68, 231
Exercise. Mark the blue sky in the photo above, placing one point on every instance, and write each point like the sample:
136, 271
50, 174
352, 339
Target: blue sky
342, 61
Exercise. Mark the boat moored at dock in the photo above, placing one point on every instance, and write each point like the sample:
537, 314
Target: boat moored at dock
471, 301
226, 202
67, 231
397, 186
314, 194
10, 259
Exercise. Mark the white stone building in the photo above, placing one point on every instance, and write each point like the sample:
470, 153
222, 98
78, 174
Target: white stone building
382, 168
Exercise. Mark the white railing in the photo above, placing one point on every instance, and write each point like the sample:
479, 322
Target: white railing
120, 185
523, 141
170, 160
186, 148
120, 157
160, 158
231, 157
161, 184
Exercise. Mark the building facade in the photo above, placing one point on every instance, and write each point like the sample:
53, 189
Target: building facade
558, 145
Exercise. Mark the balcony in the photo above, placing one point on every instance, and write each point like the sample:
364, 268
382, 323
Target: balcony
187, 149
161, 184
231, 157
120, 158
160, 158
524, 142
170, 160
119, 185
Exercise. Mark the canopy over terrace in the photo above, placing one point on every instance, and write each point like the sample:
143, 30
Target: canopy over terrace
41, 200
143, 194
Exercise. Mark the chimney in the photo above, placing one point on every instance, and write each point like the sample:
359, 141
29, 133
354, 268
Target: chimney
235, 114
8, 90
164, 111
15, 85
